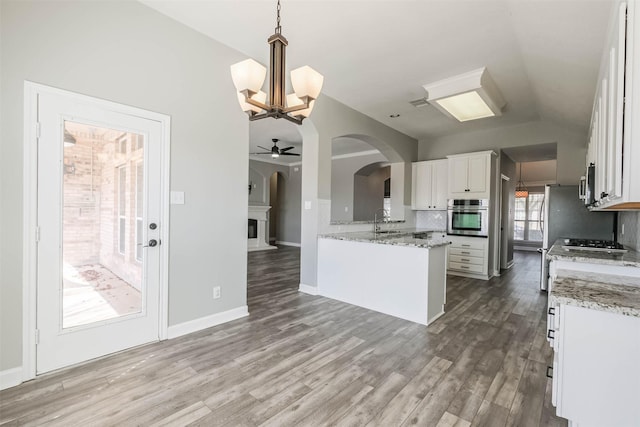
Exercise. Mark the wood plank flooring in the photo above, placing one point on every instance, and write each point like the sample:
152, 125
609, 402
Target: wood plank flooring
301, 360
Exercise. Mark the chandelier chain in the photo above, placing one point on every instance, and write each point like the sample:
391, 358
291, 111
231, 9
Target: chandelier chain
278, 28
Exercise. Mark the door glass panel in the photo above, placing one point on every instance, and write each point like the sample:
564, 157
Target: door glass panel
102, 229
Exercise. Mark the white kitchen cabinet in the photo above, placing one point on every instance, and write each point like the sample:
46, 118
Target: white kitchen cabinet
470, 175
614, 141
429, 185
596, 374
467, 256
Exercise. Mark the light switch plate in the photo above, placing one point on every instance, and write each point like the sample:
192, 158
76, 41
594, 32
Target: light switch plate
177, 197
307, 204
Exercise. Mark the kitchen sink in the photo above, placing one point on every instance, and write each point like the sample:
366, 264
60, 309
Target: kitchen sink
387, 232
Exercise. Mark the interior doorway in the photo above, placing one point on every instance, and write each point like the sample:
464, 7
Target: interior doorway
98, 262
277, 195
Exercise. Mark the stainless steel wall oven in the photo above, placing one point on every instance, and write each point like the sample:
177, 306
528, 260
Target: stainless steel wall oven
468, 217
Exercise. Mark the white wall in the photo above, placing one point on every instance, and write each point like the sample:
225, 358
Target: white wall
571, 146
125, 52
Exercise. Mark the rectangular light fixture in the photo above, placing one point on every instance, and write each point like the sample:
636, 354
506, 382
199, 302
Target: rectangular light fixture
469, 96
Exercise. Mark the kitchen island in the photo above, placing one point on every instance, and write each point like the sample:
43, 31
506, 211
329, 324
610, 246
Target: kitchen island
400, 272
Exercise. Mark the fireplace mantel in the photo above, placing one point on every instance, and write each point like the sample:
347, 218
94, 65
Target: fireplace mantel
259, 213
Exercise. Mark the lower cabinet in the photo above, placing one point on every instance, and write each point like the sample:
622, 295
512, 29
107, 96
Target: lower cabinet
468, 256
596, 367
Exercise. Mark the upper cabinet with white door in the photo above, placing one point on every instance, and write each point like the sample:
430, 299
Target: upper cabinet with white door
470, 175
429, 185
614, 140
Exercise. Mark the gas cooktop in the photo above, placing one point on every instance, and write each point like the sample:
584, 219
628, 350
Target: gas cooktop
608, 246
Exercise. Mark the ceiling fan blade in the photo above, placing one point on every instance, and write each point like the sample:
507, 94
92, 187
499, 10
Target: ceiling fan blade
264, 152
267, 149
287, 149
288, 154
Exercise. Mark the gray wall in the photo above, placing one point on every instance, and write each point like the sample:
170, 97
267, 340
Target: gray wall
342, 183
631, 237
571, 145
290, 209
259, 188
368, 194
508, 168
289, 193
331, 119
125, 52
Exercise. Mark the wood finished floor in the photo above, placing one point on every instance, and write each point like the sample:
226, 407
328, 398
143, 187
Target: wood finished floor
301, 360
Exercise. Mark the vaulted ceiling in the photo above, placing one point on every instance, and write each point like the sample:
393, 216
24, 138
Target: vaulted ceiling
376, 55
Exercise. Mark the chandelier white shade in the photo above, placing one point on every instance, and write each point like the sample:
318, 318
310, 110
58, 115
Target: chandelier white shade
469, 96
306, 82
249, 76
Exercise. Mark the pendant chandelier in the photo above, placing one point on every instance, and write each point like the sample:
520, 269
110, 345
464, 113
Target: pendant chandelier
248, 78
521, 190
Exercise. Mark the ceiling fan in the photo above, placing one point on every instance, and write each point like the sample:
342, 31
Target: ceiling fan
275, 151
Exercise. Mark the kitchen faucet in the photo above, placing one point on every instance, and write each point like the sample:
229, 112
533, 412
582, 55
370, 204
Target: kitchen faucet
376, 226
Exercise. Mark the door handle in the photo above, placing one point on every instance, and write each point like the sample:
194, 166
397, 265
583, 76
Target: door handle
152, 243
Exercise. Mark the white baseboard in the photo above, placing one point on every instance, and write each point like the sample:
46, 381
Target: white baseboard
10, 377
195, 325
297, 245
308, 289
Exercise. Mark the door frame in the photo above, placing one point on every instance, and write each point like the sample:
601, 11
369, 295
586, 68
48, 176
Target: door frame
30, 211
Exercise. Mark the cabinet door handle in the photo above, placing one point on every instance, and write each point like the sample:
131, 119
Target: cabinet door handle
465, 245
464, 266
551, 334
465, 253
464, 259
549, 368
552, 311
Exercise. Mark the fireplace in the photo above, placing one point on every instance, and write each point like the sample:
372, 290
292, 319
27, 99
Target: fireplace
253, 229
257, 234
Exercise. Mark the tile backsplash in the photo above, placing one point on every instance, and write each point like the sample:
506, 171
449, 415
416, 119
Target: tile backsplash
436, 220
631, 237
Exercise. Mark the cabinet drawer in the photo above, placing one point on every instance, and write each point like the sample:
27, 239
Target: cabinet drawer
466, 252
468, 244
465, 267
466, 259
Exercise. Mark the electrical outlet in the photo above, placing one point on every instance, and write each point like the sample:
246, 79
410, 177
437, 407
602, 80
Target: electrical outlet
216, 292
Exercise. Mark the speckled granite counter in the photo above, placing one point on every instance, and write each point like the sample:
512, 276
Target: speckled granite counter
604, 292
628, 259
400, 237
370, 221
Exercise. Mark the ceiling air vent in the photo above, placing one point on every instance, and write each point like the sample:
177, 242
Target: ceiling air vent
419, 102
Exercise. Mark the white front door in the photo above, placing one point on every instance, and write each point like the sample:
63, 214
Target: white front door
98, 214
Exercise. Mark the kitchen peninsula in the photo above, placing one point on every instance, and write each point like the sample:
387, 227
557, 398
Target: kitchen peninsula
397, 272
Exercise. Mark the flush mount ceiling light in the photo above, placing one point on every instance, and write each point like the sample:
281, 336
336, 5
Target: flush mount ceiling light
469, 96
248, 78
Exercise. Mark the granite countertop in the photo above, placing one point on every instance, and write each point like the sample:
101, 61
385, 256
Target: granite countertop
558, 253
604, 292
412, 237
370, 221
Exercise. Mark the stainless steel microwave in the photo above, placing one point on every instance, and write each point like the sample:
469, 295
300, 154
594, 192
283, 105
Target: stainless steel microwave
468, 217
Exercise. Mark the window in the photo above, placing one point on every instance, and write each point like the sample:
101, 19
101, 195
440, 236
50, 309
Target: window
529, 218
139, 208
122, 198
